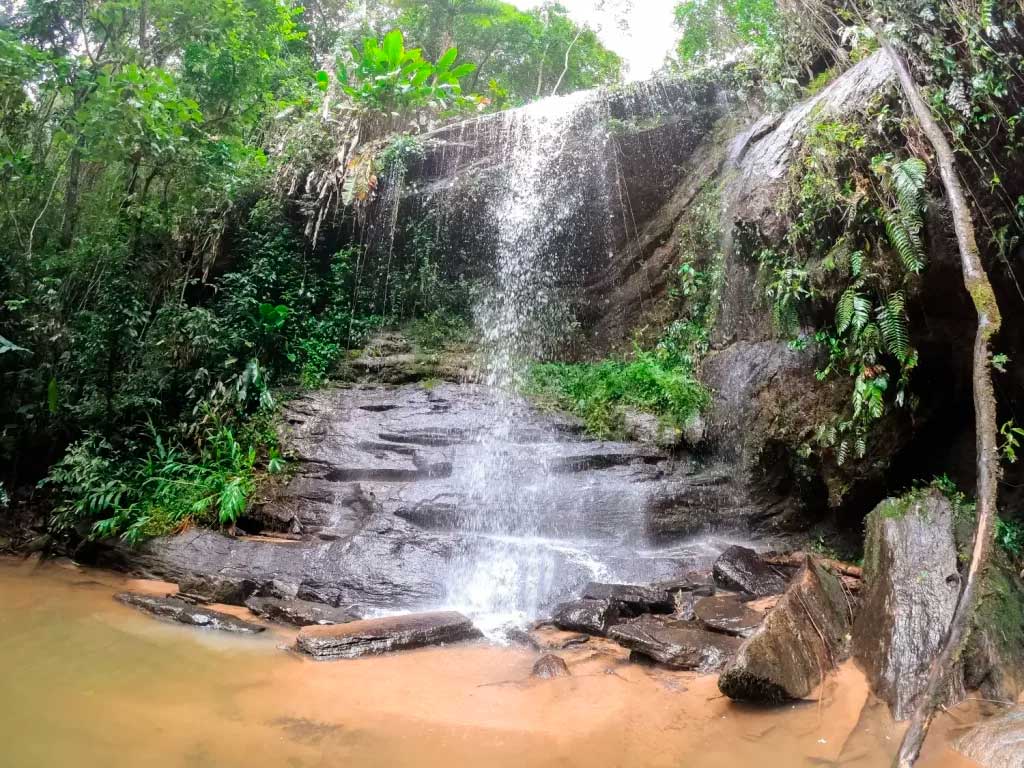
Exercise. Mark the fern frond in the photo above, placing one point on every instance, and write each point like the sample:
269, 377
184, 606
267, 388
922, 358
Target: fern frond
861, 312
986, 10
842, 452
870, 336
907, 245
860, 447
856, 263
844, 310
908, 179
892, 320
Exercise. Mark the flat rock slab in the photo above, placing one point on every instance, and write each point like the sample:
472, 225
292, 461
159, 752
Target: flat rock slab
676, 644
632, 599
370, 637
594, 617
298, 613
801, 639
182, 612
726, 614
742, 569
996, 743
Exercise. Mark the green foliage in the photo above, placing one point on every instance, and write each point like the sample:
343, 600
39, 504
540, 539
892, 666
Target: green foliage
1010, 435
711, 29
1010, 536
167, 488
597, 392
388, 77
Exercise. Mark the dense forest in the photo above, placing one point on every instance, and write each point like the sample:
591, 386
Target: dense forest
379, 306
154, 293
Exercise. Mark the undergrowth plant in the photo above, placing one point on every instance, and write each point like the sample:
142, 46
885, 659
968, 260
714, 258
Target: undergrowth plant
853, 252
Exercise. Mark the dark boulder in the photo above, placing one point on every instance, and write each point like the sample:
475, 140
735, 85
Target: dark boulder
631, 599
595, 617
183, 612
801, 639
371, 637
549, 666
728, 615
676, 644
911, 589
996, 743
742, 569
298, 613
211, 588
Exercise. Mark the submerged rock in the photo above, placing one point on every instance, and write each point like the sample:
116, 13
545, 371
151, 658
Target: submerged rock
911, 589
371, 637
801, 639
676, 644
298, 613
726, 614
595, 617
741, 568
996, 743
212, 588
549, 666
176, 609
632, 599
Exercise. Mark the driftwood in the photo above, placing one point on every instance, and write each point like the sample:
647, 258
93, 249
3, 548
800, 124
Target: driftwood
796, 559
987, 458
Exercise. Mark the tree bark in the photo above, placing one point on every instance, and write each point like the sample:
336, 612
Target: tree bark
554, 91
986, 433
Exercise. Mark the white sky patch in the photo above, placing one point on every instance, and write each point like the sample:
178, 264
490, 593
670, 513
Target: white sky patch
640, 31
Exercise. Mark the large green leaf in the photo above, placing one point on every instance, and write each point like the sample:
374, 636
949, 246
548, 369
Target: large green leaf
394, 47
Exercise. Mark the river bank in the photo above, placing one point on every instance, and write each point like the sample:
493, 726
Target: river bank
94, 683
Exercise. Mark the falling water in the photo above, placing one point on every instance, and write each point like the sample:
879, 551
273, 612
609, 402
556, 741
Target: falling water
540, 212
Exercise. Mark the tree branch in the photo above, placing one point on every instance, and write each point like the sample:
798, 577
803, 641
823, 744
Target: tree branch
986, 434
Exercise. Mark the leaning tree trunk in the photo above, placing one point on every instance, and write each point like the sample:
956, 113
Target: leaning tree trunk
987, 458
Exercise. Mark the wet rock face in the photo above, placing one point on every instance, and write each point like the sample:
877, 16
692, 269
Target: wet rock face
371, 637
387, 508
595, 617
182, 612
801, 639
631, 599
549, 666
676, 644
298, 613
726, 614
996, 743
742, 569
911, 589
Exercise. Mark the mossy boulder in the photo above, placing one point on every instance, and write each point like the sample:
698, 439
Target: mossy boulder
911, 588
801, 639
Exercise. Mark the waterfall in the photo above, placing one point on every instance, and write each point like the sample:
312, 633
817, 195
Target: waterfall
555, 159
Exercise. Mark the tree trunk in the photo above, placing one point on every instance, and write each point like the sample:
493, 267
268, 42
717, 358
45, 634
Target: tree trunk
986, 434
554, 91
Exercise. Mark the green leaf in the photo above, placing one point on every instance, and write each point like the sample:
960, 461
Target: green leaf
394, 47
323, 80
446, 60
9, 346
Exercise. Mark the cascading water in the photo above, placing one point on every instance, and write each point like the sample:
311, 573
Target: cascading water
540, 210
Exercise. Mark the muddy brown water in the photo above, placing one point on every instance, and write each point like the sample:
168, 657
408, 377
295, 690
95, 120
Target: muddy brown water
88, 682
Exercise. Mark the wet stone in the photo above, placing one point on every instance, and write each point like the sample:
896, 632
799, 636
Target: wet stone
182, 612
997, 742
217, 589
728, 615
595, 617
631, 599
371, 637
742, 569
298, 613
800, 640
549, 666
676, 644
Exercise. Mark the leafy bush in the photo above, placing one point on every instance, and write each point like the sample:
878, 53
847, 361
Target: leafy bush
388, 77
597, 392
169, 487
